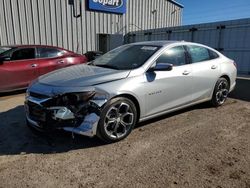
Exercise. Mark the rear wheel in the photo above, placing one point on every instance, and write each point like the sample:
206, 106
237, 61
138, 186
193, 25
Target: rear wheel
221, 91
117, 120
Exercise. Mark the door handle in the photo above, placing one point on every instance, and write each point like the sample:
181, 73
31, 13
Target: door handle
33, 65
186, 72
60, 62
214, 67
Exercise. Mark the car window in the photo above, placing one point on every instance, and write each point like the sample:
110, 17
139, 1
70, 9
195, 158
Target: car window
198, 53
4, 49
49, 52
7, 53
24, 53
175, 56
126, 57
213, 55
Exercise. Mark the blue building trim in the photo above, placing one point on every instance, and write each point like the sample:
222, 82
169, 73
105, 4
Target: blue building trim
176, 3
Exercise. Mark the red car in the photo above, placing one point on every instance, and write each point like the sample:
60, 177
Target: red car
19, 65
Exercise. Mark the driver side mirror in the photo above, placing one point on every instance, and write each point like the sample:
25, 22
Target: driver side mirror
162, 67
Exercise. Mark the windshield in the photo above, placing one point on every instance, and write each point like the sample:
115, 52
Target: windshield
126, 57
4, 49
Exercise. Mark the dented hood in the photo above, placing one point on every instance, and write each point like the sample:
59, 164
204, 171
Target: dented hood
82, 76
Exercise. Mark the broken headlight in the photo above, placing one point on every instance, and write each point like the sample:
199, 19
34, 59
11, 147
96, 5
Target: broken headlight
70, 105
77, 98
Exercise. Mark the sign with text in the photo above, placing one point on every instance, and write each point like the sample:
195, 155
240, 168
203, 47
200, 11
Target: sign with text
112, 6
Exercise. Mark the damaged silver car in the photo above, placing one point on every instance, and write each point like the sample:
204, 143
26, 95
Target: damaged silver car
129, 84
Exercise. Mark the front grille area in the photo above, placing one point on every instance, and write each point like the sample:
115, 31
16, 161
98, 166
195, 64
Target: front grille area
36, 112
43, 117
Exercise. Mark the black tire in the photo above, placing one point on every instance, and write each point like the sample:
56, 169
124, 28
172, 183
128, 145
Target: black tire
106, 124
220, 93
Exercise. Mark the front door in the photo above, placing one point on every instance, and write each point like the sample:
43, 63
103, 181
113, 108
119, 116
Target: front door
169, 89
19, 71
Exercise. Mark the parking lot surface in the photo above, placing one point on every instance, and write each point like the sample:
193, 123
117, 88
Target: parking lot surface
197, 147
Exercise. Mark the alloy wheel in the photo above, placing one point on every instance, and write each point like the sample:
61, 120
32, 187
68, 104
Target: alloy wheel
118, 120
222, 92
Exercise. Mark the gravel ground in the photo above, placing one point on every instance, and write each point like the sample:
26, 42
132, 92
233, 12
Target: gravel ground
196, 147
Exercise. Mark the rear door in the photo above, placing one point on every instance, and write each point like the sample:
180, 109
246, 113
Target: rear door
19, 70
49, 59
206, 70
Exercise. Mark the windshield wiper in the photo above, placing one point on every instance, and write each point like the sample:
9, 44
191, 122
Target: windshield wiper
91, 63
107, 66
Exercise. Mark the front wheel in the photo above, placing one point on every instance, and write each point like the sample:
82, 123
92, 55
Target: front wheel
117, 120
221, 92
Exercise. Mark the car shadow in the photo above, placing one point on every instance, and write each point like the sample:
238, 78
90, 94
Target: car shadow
205, 105
242, 90
17, 138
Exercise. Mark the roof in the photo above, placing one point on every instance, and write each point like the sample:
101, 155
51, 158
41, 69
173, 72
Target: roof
33, 45
156, 43
29, 45
176, 3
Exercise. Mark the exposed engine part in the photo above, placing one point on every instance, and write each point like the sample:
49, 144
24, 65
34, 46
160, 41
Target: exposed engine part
87, 128
76, 98
62, 113
78, 113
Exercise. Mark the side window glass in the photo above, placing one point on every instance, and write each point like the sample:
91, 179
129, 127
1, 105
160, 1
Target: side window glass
198, 53
25, 53
175, 56
213, 55
49, 52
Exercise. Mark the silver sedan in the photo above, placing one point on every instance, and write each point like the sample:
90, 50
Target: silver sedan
127, 85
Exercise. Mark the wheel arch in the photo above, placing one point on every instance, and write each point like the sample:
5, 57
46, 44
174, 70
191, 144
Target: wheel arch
222, 76
135, 101
227, 78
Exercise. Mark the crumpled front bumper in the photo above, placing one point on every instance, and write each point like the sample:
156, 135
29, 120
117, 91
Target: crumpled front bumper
41, 119
87, 128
